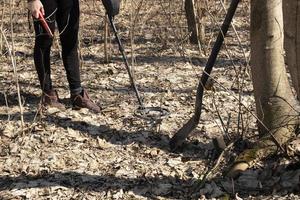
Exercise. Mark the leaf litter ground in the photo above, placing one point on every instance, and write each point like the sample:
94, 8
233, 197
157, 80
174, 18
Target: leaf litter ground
117, 155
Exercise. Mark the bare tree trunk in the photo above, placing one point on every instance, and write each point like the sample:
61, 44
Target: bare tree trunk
190, 12
291, 14
177, 140
201, 21
275, 103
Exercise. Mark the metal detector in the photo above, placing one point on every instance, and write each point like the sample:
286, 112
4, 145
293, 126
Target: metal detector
151, 113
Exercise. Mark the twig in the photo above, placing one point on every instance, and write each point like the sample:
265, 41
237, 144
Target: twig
7, 106
13, 60
224, 128
215, 166
1, 27
242, 73
106, 34
255, 116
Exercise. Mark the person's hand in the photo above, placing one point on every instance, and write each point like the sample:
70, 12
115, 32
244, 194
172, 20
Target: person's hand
35, 7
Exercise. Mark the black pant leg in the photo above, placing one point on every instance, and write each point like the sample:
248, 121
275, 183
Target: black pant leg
68, 24
43, 45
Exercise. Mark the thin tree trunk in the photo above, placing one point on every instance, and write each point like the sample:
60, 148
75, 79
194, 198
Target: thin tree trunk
201, 21
189, 7
291, 14
275, 103
177, 140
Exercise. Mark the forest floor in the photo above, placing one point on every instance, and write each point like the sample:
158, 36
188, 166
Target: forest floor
117, 154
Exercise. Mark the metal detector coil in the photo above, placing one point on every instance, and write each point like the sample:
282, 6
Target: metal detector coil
152, 113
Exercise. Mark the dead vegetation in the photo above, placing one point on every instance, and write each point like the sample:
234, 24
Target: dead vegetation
117, 155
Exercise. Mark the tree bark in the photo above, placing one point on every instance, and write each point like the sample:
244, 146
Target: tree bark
201, 15
275, 103
179, 137
190, 12
291, 14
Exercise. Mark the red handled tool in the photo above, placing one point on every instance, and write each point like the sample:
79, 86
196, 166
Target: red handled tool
45, 25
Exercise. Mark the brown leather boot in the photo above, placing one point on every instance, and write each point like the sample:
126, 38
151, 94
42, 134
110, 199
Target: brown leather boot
50, 99
83, 101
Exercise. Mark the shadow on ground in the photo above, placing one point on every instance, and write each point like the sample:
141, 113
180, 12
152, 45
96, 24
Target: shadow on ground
151, 187
251, 182
192, 150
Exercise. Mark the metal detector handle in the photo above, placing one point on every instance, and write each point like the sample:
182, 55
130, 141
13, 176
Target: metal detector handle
126, 62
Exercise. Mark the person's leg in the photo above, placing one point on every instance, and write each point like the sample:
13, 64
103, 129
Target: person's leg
41, 53
68, 24
43, 45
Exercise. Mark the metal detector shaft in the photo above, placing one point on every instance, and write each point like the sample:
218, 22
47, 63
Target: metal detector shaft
121, 48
